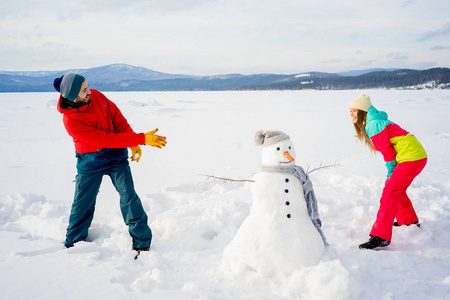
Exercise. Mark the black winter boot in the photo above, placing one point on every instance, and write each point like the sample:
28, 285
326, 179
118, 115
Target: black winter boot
139, 250
374, 242
415, 223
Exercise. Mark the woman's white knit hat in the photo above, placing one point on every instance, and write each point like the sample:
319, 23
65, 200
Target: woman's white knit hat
362, 103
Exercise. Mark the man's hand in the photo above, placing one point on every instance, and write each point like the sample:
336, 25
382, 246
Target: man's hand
135, 150
155, 140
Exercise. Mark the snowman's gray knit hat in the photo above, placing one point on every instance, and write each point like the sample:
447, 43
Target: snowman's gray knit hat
270, 137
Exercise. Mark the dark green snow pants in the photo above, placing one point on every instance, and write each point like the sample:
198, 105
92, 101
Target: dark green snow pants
82, 213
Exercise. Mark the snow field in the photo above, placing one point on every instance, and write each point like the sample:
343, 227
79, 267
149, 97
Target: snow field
193, 219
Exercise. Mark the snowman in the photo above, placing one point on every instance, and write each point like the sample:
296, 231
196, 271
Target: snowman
282, 232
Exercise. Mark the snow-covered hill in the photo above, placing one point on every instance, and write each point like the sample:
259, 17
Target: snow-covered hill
122, 77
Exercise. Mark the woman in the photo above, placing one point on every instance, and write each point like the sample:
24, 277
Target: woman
405, 158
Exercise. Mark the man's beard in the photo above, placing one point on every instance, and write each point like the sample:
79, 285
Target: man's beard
83, 100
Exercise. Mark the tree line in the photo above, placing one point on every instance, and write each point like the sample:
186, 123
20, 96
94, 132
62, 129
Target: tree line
383, 79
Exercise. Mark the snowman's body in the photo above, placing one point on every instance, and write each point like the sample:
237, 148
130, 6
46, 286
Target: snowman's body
278, 234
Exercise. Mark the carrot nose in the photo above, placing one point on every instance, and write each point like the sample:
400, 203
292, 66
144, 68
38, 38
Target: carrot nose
288, 156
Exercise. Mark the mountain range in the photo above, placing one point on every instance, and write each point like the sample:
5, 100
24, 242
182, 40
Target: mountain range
122, 77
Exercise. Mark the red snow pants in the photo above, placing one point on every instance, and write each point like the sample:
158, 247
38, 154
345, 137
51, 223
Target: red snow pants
394, 203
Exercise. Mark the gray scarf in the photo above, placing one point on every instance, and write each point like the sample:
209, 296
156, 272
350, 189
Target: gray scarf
297, 171
308, 190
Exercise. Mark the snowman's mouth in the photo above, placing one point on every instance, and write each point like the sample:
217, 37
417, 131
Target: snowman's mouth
285, 162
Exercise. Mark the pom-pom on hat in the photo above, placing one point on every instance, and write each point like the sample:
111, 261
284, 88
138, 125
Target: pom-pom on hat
69, 85
267, 138
362, 103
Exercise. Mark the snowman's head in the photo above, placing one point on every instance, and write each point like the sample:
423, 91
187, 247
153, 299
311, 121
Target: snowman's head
278, 150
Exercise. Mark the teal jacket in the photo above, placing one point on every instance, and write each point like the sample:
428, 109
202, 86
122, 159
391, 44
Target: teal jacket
395, 144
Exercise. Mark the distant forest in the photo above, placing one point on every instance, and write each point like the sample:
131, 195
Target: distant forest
382, 79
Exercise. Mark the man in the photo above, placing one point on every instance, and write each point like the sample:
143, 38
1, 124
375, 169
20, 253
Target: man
101, 135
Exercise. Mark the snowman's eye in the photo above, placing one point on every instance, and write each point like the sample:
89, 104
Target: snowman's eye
278, 149
289, 147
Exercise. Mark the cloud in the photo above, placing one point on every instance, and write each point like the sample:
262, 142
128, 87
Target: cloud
444, 30
408, 3
398, 56
440, 47
332, 61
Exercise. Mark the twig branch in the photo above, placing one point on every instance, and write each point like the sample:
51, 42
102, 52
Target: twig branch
322, 166
226, 179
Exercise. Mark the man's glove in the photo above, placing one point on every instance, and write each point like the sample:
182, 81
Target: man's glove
155, 140
135, 150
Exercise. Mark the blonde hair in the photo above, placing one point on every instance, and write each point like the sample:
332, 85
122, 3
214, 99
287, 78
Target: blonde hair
360, 128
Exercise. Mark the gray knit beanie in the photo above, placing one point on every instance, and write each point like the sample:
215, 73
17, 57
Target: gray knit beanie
270, 137
69, 85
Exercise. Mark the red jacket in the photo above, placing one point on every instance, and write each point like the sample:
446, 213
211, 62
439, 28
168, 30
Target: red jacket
98, 125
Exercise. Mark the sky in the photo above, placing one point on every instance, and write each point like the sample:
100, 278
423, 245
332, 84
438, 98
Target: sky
209, 37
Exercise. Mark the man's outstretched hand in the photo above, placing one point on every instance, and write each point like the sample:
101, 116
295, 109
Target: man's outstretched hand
155, 140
